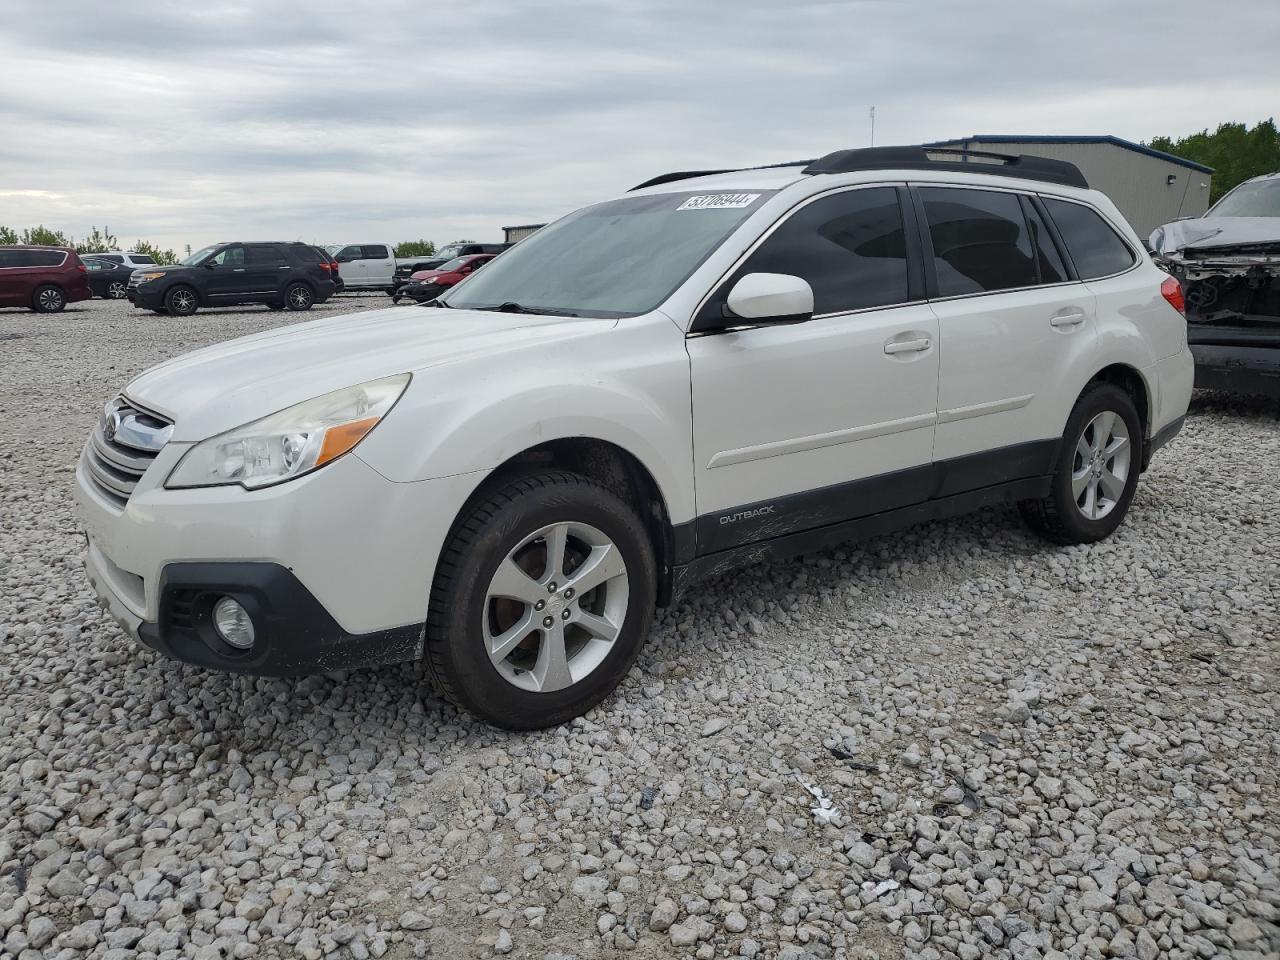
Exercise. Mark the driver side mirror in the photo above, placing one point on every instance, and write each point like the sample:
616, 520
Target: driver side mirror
769, 298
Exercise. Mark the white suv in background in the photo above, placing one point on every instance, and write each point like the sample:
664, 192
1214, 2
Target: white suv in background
705, 372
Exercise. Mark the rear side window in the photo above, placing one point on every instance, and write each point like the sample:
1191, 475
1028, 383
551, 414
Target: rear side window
142, 258
309, 254
45, 258
850, 247
116, 258
375, 252
980, 239
264, 256
1095, 248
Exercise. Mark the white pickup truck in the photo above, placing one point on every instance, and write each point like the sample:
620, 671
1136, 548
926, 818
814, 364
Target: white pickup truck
365, 266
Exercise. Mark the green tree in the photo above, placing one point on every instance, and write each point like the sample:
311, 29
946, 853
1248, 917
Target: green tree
42, 236
163, 257
415, 248
1235, 152
98, 242
8, 237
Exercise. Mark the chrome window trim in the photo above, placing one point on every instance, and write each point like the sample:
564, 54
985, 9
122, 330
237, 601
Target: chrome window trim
42, 266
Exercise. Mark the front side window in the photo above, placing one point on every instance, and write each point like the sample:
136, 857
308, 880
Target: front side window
229, 257
1094, 247
849, 247
621, 258
980, 240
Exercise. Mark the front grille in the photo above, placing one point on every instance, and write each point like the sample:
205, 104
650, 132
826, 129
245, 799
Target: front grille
122, 446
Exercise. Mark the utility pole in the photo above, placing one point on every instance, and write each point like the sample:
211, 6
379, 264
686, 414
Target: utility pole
873, 126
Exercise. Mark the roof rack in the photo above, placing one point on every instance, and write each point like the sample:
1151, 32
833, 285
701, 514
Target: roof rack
921, 158
690, 174
912, 158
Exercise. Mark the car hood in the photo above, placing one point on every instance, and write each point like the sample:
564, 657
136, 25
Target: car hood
156, 268
220, 387
1212, 233
429, 276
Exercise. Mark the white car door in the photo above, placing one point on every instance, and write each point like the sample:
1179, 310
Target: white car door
1015, 332
352, 267
802, 425
379, 264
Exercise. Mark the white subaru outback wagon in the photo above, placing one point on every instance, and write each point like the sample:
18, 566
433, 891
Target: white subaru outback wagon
713, 369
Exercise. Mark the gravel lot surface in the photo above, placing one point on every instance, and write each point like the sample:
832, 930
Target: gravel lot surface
954, 742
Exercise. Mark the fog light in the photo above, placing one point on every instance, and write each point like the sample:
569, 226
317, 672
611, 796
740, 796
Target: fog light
233, 624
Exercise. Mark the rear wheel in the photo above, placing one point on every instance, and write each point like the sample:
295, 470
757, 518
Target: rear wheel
1097, 470
181, 301
48, 299
116, 289
298, 296
542, 599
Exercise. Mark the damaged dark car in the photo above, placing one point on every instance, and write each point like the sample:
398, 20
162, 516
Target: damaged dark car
1228, 262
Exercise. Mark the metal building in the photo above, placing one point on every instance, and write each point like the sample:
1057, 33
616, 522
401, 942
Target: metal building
1150, 187
512, 234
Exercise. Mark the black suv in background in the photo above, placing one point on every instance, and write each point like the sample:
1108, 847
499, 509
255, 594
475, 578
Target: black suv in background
289, 276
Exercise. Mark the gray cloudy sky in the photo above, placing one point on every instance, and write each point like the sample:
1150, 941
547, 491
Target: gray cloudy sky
187, 123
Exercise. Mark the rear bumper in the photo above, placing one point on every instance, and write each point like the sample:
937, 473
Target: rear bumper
1238, 369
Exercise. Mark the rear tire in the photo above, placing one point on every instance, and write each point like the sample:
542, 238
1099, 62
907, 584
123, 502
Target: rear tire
299, 296
181, 301
116, 290
1096, 472
48, 299
557, 651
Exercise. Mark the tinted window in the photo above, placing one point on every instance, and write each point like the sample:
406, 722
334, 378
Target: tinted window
97, 266
347, 254
12, 258
309, 254
45, 258
376, 252
229, 257
1048, 260
850, 247
264, 256
980, 241
1095, 248
114, 257
141, 258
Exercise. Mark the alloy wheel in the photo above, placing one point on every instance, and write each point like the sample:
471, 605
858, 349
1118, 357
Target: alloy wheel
116, 290
184, 300
50, 300
299, 296
554, 607
1100, 470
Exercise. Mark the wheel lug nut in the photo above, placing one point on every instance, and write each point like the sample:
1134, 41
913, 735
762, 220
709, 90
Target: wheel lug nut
552, 587
568, 594
548, 621
540, 604
566, 614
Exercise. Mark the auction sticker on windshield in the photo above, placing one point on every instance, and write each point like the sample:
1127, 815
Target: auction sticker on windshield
719, 201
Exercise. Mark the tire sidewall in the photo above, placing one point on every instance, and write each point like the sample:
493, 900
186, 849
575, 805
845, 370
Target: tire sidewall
288, 297
1099, 399
477, 680
174, 310
38, 303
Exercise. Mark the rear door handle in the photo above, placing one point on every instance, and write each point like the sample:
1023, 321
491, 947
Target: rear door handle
1072, 319
907, 346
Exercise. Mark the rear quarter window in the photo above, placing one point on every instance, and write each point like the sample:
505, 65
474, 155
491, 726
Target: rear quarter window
1093, 244
142, 258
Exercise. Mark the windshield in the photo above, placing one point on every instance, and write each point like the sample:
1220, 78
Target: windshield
457, 264
199, 256
616, 259
451, 250
1260, 199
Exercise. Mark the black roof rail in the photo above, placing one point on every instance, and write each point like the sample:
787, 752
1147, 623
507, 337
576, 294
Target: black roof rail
690, 174
971, 161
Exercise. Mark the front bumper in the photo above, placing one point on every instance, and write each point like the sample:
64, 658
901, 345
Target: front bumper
146, 295
1240, 369
421, 292
334, 567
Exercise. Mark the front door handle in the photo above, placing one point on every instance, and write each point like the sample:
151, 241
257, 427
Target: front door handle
1072, 319
238, 270
907, 346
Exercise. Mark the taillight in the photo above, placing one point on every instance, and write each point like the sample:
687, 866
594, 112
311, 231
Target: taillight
326, 265
82, 268
1171, 290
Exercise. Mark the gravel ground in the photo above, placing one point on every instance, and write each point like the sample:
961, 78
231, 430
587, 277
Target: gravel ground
953, 742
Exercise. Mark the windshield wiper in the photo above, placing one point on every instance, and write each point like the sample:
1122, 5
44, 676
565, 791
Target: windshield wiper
438, 303
510, 306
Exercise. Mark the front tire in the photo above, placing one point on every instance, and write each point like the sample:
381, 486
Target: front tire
298, 296
181, 301
542, 599
1096, 472
48, 299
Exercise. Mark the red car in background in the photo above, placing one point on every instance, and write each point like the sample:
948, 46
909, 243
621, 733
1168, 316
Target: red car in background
44, 279
428, 284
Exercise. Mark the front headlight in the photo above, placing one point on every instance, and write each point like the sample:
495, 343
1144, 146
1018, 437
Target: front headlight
292, 442
144, 277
